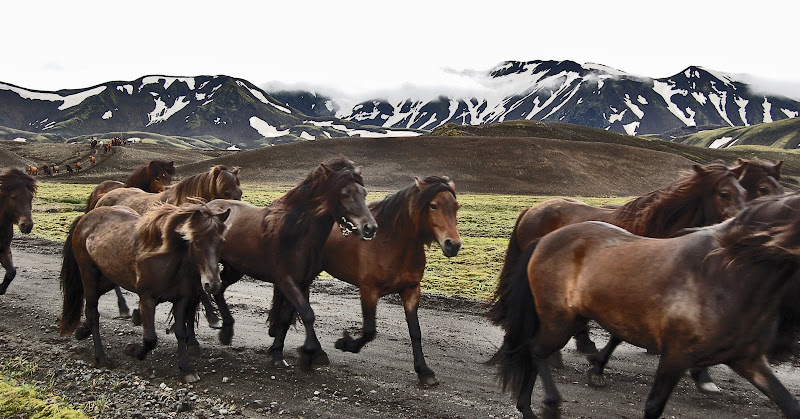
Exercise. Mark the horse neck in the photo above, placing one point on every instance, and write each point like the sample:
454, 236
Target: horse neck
191, 187
298, 221
395, 214
654, 216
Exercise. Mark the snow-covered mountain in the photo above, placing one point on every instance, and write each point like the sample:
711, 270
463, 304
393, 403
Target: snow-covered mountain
590, 94
221, 107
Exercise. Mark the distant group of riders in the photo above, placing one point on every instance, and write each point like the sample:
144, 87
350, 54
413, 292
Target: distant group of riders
52, 169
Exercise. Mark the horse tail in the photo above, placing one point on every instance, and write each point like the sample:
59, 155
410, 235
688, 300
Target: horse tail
92, 201
514, 310
513, 254
71, 286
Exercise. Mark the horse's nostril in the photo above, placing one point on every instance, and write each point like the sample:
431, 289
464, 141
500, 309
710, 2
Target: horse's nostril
369, 230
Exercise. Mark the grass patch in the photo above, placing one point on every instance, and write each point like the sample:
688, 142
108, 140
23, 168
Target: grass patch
485, 222
19, 399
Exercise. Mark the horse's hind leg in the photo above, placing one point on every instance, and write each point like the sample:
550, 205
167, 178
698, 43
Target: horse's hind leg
758, 372
93, 323
147, 310
702, 380
599, 361
8, 264
583, 342
667, 376
124, 311
311, 352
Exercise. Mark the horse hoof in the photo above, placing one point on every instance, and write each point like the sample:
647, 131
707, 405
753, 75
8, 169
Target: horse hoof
551, 411
225, 336
215, 324
191, 378
428, 380
124, 314
132, 350
708, 387
136, 319
82, 333
555, 360
595, 380
320, 359
104, 363
193, 348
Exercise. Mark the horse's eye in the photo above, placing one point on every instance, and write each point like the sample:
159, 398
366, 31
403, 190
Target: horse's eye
763, 190
724, 195
434, 207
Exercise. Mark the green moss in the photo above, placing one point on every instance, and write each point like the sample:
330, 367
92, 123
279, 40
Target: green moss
23, 400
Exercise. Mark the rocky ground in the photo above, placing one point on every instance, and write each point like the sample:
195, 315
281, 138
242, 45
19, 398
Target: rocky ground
379, 382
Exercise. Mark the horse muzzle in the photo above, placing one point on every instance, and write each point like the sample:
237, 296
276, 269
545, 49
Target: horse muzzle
212, 288
25, 226
450, 247
366, 232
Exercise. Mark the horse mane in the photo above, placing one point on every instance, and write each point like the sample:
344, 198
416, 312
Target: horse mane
315, 196
14, 178
655, 214
159, 229
142, 177
215, 179
395, 211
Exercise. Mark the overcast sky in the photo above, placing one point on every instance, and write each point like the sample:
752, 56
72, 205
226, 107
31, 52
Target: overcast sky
359, 48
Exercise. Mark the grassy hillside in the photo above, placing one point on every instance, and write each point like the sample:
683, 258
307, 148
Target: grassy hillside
204, 142
784, 134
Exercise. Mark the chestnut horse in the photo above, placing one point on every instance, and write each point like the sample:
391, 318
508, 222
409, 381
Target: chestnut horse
169, 254
283, 242
707, 195
33, 170
394, 261
219, 182
704, 298
16, 193
153, 177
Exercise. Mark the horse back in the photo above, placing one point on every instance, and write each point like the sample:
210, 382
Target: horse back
246, 248
134, 198
103, 188
105, 237
553, 214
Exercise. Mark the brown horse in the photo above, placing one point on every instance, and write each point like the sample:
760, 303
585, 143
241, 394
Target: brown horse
169, 254
56, 169
77, 166
760, 178
283, 242
153, 177
92, 160
33, 170
47, 170
394, 261
704, 298
16, 193
219, 182
707, 195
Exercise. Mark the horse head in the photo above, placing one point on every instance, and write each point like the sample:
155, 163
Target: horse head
225, 183
16, 193
438, 205
160, 174
724, 196
759, 178
341, 182
202, 230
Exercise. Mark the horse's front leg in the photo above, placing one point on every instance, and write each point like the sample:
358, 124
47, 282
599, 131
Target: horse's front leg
211, 311
311, 352
8, 264
229, 276
183, 310
369, 304
147, 311
758, 372
410, 298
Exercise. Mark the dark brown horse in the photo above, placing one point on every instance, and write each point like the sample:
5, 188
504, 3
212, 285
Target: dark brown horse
707, 195
16, 193
283, 242
760, 178
219, 182
394, 261
169, 254
153, 177
704, 298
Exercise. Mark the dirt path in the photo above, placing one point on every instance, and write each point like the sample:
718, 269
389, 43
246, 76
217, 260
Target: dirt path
379, 382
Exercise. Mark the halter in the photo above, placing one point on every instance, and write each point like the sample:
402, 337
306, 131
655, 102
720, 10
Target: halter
347, 227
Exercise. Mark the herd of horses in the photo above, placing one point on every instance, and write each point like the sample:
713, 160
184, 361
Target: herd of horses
703, 271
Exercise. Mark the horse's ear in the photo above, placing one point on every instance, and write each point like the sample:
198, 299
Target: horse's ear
777, 170
235, 170
325, 168
740, 160
739, 170
452, 184
700, 170
224, 215
420, 184
357, 170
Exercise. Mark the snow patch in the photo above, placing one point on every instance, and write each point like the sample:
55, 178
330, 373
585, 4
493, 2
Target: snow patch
20, 140
233, 148
631, 128
767, 110
167, 81
126, 88
666, 91
107, 115
720, 142
790, 113
307, 136
635, 109
260, 96
742, 109
641, 99
161, 113
265, 129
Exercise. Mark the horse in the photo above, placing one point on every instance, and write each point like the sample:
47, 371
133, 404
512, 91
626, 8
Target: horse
17, 189
169, 254
47, 170
69, 169
704, 196
760, 178
33, 170
704, 298
77, 166
92, 160
56, 169
219, 182
283, 244
153, 177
